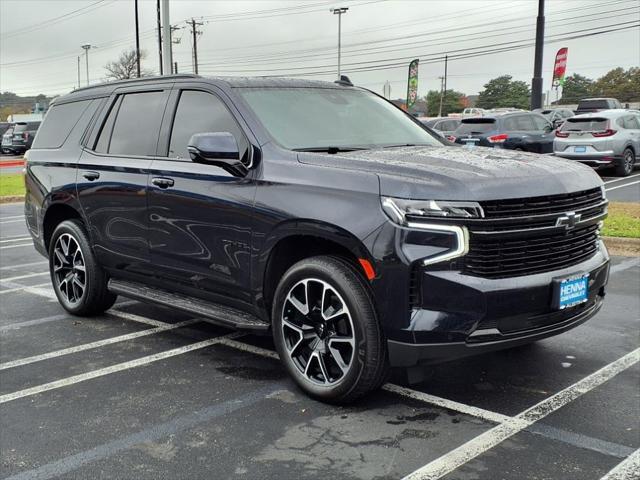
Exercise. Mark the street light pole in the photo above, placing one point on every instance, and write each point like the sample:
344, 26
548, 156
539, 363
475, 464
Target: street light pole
137, 40
536, 81
339, 12
166, 39
86, 48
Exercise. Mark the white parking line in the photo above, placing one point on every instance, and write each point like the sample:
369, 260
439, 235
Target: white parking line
622, 186
33, 289
16, 239
403, 391
23, 265
96, 344
20, 277
489, 439
137, 318
621, 179
448, 404
12, 221
627, 469
83, 377
6, 247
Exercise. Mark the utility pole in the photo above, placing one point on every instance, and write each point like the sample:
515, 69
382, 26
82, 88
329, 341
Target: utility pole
441, 95
86, 48
175, 67
446, 62
195, 34
339, 12
536, 82
159, 22
176, 41
78, 71
166, 38
137, 40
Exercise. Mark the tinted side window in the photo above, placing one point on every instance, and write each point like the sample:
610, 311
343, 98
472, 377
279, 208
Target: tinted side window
201, 112
631, 122
102, 145
136, 127
525, 122
540, 123
58, 124
510, 124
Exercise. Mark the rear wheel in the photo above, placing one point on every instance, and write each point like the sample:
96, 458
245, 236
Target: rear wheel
326, 330
625, 166
79, 282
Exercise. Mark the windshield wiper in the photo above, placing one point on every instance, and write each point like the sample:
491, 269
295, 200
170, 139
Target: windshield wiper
399, 145
331, 150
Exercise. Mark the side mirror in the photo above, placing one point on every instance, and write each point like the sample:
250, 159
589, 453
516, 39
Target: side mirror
557, 123
217, 148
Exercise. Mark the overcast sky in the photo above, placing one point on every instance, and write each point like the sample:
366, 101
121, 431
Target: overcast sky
40, 40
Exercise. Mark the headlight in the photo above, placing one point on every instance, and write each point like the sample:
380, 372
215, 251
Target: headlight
404, 211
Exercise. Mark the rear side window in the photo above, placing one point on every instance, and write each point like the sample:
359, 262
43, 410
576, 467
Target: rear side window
540, 123
58, 124
201, 112
591, 124
476, 125
136, 119
598, 104
631, 122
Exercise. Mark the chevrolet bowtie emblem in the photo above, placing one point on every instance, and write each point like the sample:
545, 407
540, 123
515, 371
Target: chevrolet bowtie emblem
568, 220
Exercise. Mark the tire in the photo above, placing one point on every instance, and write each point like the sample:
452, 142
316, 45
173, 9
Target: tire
82, 293
334, 357
624, 167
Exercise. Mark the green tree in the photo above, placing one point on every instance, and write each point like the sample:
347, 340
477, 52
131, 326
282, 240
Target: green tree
502, 92
451, 102
619, 83
575, 88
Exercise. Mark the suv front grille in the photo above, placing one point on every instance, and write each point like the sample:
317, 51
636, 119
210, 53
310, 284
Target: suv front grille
522, 207
519, 236
499, 258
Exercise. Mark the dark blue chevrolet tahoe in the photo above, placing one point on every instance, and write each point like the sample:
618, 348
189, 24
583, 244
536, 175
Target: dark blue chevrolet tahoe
316, 212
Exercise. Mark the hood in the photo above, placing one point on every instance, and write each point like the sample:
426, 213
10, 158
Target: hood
455, 173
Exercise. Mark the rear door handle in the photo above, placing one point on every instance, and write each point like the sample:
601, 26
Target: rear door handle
162, 182
91, 176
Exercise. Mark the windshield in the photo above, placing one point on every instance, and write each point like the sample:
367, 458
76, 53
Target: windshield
314, 118
603, 104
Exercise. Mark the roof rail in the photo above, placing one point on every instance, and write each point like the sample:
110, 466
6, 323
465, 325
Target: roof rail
134, 80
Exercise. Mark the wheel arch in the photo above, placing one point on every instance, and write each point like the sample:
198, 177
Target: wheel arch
296, 240
55, 214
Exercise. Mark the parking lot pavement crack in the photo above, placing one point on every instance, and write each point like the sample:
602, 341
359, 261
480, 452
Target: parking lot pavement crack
68, 464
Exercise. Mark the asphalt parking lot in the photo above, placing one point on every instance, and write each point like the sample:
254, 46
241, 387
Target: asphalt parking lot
146, 393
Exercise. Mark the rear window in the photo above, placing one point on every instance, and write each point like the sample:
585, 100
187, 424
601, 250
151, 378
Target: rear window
20, 127
585, 125
476, 125
58, 124
600, 104
448, 125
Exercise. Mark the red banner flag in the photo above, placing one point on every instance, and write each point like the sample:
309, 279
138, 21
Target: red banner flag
560, 66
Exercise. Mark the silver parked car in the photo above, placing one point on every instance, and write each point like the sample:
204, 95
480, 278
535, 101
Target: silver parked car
610, 138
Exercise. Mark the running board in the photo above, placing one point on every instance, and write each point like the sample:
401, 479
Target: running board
222, 315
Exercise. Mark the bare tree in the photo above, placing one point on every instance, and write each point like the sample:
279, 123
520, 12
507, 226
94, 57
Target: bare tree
125, 66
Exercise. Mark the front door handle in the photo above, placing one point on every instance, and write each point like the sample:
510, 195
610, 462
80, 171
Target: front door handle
91, 176
162, 182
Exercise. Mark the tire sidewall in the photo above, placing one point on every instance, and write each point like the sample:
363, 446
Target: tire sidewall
73, 229
319, 270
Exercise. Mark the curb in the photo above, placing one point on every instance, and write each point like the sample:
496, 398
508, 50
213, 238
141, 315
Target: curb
628, 247
12, 199
13, 163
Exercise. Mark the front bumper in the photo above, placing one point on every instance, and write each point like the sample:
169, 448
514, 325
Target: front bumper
463, 315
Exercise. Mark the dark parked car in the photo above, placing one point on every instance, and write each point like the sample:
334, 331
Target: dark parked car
590, 105
7, 135
444, 125
22, 138
526, 131
354, 236
556, 116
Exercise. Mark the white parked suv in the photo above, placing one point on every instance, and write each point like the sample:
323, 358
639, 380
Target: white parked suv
610, 138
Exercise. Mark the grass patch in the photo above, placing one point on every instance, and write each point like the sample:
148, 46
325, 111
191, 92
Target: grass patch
623, 220
11, 185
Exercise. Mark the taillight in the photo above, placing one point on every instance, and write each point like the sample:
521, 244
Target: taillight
604, 133
560, 134
498, 138
25, 136
451, 138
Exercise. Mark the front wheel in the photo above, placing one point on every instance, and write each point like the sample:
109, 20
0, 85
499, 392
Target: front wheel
78, 280
625, 167
326, 330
